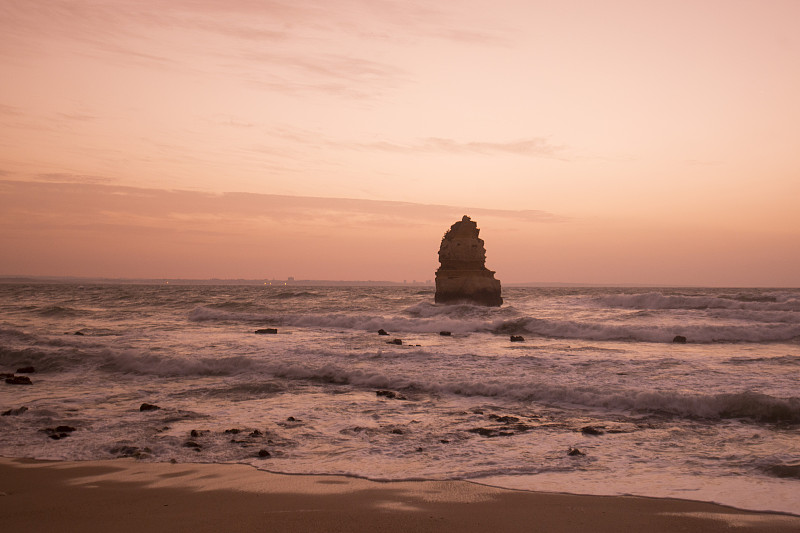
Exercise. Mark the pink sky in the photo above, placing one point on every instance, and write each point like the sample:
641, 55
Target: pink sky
593, 141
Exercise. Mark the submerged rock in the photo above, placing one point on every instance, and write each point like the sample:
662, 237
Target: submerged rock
389, 394
15, 412
26, 370
463, 275
680, 339
382, 332
19, 380
148, 407
517, 338
266, 331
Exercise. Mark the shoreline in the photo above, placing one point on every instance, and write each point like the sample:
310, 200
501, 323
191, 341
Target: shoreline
128, 495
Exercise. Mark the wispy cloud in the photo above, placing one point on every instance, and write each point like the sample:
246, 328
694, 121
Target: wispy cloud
84, 198
536, 147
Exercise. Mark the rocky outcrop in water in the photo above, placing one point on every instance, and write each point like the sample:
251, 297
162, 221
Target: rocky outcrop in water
462, 275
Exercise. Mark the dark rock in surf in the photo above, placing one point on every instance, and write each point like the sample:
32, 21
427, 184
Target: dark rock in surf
65, 429
79, 333
264, 454
462, 274
575, 452
266, 331
148, 407
191, 444
389, 394
26, 370
233, 431
131, 451
517, 338
15, 412
680, 339
19, 380
445, 333
505, 419
591, 430
398, 342
382, 332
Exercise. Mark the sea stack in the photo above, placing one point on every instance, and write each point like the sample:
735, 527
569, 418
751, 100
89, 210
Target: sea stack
462, 275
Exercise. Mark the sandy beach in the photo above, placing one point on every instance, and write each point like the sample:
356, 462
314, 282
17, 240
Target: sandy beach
127, 495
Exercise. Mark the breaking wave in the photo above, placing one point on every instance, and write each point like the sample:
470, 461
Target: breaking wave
745, 405
473, 319
656, 300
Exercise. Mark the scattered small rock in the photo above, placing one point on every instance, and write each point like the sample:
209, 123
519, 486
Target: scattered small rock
255, 433
26, 370
265, 331
79, 333
233, 431
191, 444
680, 339
60, 432
148, 407
15, 412
444, 441
382, 332
517, 338
397, 431
389, 394
292, 419
591, 430
420, 450
395, 341
574, 452
131, 451
19, 380
483, 432
445, 333
505, 419
264, 453
198, 433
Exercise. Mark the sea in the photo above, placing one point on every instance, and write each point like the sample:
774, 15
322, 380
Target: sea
595, 399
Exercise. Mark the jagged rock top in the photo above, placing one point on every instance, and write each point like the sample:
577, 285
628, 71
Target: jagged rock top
461, 248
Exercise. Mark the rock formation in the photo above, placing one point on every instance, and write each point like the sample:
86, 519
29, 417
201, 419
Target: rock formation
462, 275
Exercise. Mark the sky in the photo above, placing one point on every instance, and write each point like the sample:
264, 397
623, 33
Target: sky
593, 141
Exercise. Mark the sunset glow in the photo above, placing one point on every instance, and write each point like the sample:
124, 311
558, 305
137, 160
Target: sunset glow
593, 142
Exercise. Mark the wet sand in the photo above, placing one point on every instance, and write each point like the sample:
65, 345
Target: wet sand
127, 495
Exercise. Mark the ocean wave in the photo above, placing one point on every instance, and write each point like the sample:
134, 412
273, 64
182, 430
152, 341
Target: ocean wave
144, 363
289, 295
462, 319
745, 405
58, 311
355, 321
780, 360
657, 300
695, 333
